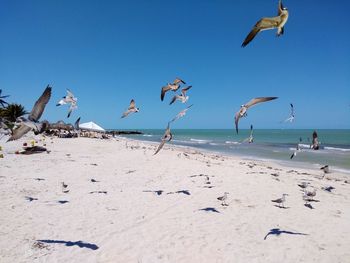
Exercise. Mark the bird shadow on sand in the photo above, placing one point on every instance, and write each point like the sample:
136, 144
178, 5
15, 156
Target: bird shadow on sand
62, 202
31, 199
209, 209
282, 207
157, 192
309, 206
277, 232
186, 192
79, 243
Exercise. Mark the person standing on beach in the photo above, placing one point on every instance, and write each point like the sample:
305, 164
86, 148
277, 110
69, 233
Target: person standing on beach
315, 144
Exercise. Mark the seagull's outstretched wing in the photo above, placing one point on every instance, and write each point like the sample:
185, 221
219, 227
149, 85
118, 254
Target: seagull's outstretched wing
19, 132
76, 124
259, 100
160, 146
178, 81
184, 90
70, 94
173, 99
164, 90
263, 24
72, 107
237, 117
40, 104
126, 113
132, 104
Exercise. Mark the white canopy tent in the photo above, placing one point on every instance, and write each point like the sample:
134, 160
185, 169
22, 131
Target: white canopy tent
91, 126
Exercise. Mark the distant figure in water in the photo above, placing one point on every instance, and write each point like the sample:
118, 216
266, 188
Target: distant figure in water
315, 144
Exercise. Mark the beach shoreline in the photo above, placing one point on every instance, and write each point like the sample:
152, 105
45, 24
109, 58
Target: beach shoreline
125, 204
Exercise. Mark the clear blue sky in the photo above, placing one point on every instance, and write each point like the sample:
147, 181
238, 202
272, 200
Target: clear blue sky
108, 52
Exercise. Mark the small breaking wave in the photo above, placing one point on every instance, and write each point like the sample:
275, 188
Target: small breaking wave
200, 141
232, 142
337, 149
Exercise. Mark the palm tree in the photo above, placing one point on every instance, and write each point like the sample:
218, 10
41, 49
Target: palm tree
12, 112
2, 102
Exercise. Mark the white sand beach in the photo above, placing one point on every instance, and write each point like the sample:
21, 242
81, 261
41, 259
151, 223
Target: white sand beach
164, 208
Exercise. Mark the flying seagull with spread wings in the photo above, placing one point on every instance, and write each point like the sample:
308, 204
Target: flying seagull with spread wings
181, 113
243, 111
166, 138
69, 99
182, 97
171, 86
132, 108
292, 116
267, 23
26, 125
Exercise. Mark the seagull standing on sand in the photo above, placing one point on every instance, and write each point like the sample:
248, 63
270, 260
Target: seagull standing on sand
267, 23
292, 116
166, 138
182, 97
325, 170
243, 111
171, 86
69, 99
25, 125
181, 113
223, 199
280, 201
308, 195
132, 108
64, 188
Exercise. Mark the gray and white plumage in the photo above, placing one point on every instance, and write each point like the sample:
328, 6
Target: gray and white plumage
132, 108
69, 99
250, 139
291, 116
267, 23
171, 86
181, 113
243, 110
280, 201
167, 137
325, 169
309, 195
181, 97
223, 199
32, 122
297, 149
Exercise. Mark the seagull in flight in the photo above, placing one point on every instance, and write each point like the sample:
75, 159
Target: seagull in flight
267, 23
69, 99
181, 113
182, 97
243, 110
166, 138
171, 86
25, 125
292, 116
132, 108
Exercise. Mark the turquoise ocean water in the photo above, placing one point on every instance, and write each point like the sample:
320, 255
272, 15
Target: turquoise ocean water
275, 144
